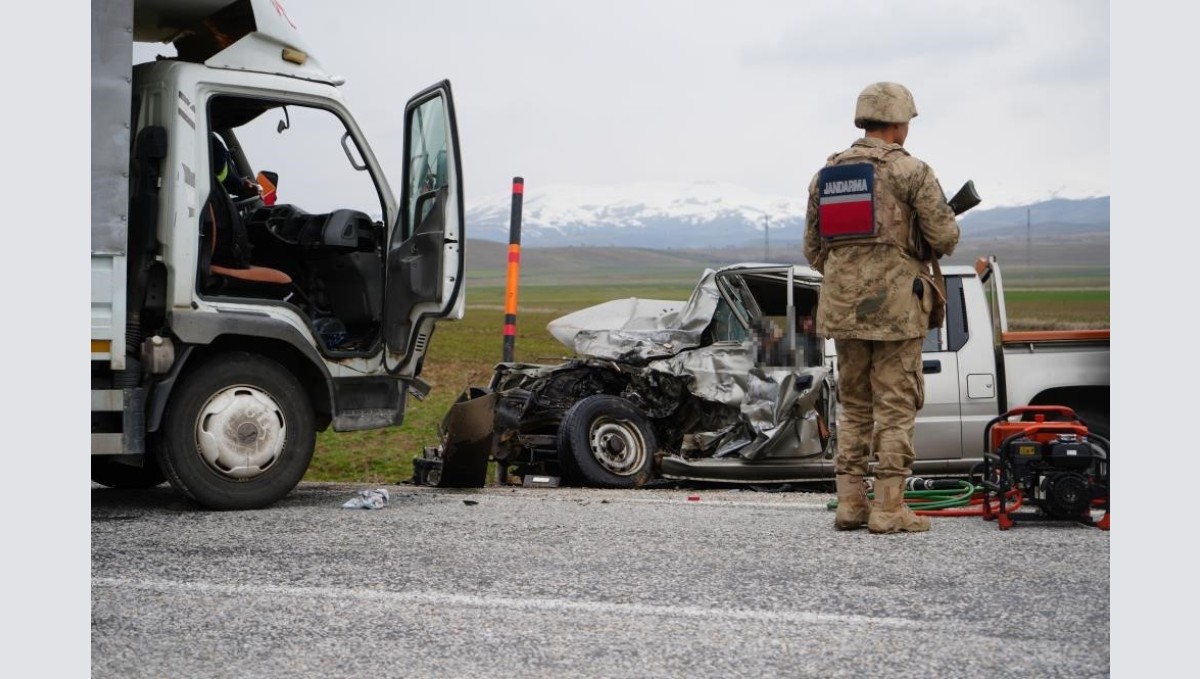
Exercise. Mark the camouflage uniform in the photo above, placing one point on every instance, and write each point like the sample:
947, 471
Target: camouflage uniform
869, 306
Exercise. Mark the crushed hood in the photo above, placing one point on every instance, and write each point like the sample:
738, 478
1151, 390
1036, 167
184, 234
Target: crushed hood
639, 330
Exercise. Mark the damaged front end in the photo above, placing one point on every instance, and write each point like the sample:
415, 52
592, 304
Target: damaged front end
660, 389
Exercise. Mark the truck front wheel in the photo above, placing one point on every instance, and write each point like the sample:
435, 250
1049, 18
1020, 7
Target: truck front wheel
238, 433
108, 472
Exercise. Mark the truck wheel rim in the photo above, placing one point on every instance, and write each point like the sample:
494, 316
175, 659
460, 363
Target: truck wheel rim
618, 446
240, 432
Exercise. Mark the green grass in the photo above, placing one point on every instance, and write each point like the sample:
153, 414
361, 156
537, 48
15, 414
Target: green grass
1057, 309
464, 353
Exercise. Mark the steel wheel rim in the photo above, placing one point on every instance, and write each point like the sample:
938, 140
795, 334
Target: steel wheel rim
240, 432
617, 445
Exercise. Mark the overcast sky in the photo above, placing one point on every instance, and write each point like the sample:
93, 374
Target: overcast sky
1013, 94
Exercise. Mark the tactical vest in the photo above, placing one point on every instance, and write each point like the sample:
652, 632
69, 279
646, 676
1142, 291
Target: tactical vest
857, 203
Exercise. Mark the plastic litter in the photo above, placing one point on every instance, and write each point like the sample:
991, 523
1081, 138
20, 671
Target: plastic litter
368, 499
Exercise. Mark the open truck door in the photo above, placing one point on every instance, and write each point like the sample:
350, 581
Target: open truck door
425, 265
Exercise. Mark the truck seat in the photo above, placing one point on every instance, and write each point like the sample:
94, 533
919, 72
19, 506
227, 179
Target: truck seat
269, 281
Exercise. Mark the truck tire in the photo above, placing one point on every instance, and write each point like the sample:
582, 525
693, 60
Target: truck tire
609, 441
107, 472
238, 433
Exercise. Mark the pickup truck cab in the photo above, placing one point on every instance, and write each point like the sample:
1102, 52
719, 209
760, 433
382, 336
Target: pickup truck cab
976, 368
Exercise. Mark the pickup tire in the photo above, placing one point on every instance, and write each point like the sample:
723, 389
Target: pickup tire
238, 433
107, 472
608, 441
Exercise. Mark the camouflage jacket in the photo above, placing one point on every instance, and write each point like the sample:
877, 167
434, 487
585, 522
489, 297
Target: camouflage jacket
868, 291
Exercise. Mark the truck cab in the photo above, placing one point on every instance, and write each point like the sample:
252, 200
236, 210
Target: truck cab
255, 277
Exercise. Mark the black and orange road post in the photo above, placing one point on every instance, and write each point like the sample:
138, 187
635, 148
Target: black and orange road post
514, 269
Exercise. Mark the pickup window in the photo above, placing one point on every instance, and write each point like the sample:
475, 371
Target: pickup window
956, 316
954, 332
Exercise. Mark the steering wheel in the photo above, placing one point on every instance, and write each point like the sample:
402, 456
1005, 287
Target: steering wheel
248, 203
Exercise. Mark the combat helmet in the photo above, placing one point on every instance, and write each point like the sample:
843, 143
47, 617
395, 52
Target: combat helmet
886, 103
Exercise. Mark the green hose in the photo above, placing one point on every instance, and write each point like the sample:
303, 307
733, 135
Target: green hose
933, 499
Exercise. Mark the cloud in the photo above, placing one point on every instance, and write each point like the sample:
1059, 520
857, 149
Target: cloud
883, 32
1013, 93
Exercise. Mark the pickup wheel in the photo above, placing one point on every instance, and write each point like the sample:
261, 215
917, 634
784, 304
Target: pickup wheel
107, 472
608, 441
238, 433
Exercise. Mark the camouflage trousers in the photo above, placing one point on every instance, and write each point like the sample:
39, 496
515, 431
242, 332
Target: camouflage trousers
880, 390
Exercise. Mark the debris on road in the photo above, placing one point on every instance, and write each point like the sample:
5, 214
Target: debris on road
368, 499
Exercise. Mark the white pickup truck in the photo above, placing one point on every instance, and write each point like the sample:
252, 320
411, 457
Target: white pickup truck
976, 368
692, 391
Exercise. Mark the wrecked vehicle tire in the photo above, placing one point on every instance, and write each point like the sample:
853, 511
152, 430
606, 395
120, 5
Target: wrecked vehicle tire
608, 442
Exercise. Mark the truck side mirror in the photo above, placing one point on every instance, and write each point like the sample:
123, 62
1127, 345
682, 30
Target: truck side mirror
267, 181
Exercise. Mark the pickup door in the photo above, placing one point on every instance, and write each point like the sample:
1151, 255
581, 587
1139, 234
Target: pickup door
938, 439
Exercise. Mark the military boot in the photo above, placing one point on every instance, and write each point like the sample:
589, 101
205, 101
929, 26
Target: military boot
852, 507
889, 513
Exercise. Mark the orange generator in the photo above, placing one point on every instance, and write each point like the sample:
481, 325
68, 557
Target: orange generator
1050, 458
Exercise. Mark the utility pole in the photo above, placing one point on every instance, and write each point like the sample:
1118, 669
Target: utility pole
1028, 239
767, 237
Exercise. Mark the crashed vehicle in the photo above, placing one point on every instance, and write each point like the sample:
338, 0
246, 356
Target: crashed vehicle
730, 386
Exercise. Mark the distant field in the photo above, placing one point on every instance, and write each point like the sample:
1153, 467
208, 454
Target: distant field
463, 354
1057, 308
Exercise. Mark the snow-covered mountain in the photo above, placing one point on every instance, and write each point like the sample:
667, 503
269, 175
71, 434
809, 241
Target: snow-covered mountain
650, 215
673, 215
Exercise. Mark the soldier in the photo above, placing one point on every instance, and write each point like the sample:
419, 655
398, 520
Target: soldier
876, 218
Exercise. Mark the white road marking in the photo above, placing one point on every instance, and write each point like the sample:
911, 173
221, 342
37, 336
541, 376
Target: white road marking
512, 604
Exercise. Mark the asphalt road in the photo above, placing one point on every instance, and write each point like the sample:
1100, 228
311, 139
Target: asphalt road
504, 582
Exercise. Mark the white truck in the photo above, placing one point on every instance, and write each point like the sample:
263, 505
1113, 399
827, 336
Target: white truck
233, 320
732, 386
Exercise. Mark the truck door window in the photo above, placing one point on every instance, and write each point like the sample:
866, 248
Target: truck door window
428, 159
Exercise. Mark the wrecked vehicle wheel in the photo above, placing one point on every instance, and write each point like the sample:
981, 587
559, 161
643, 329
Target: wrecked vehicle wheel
608, 441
